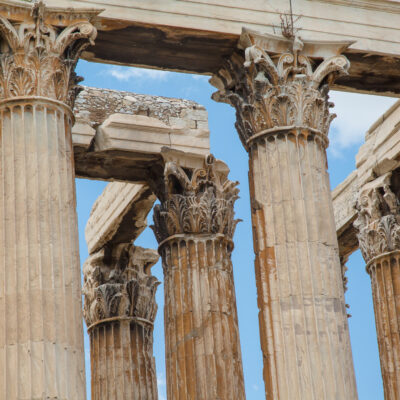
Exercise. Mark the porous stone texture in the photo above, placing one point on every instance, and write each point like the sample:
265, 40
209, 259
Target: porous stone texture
194, 226
283, 119
96, 105
378, 226
119, 135
41, 335
119, 310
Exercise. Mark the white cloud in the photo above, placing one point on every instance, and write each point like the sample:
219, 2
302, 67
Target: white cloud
161, 380
355, 114
255, 387
201, 77
126, 73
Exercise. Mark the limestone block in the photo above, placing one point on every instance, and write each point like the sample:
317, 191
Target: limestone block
119, 215
143, 134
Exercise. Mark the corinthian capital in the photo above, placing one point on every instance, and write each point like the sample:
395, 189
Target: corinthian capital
378, 220
276, 83
118, 284
199, 200
39, 50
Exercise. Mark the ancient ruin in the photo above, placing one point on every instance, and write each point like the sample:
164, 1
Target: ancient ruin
277, 76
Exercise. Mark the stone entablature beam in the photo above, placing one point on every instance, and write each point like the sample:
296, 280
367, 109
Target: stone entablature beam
195, 36
279, 89
41, 336
194, 226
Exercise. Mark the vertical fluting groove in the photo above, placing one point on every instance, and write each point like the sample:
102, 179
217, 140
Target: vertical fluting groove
122, 366
303, 295
385, 279
199, 304
308, 214
318, 269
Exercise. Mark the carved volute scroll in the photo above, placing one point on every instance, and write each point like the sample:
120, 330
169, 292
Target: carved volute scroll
271, 91
38, 54
378, 220
118, 284
195, 201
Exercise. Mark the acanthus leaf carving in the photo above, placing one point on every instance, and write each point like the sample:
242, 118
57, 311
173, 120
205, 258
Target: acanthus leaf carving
118, 283
38, 59
197, 201
378, 220
268, 94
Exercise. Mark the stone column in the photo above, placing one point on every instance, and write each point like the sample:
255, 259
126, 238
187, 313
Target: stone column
194, 227
282, 108
41, 334
378, 223
119, 310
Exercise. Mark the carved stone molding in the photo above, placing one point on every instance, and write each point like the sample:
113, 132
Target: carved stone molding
378, 220
271, 92
39, 55
118, 284
195, 201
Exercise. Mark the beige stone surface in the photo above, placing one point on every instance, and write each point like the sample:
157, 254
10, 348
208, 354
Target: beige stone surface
119, 215
119, 310
196, 35
194, 226
41, 334
378, 226
283, 118
119, 135
378, 156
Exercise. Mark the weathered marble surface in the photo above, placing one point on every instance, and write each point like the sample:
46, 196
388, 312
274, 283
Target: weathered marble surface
41, 333
196, 35
378, 227
119, 135
282, 117
377, 156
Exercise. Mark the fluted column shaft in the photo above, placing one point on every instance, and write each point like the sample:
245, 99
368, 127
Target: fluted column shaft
378, 225
385, 281
303, 319
194, 226
41, 335
283, 118
119, 310
122, 362
203, 357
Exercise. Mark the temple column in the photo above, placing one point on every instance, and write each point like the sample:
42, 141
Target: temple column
282, 109
119, 310
378, 224
41, 333
194, 226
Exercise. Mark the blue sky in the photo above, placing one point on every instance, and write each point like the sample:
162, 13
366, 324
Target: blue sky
355, 114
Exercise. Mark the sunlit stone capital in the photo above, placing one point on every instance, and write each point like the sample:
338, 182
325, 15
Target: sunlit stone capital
118, 284
378, 220
196, 201
40, 47
276, 84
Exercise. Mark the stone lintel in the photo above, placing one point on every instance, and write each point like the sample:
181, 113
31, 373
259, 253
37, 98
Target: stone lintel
21, 11
119, 135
